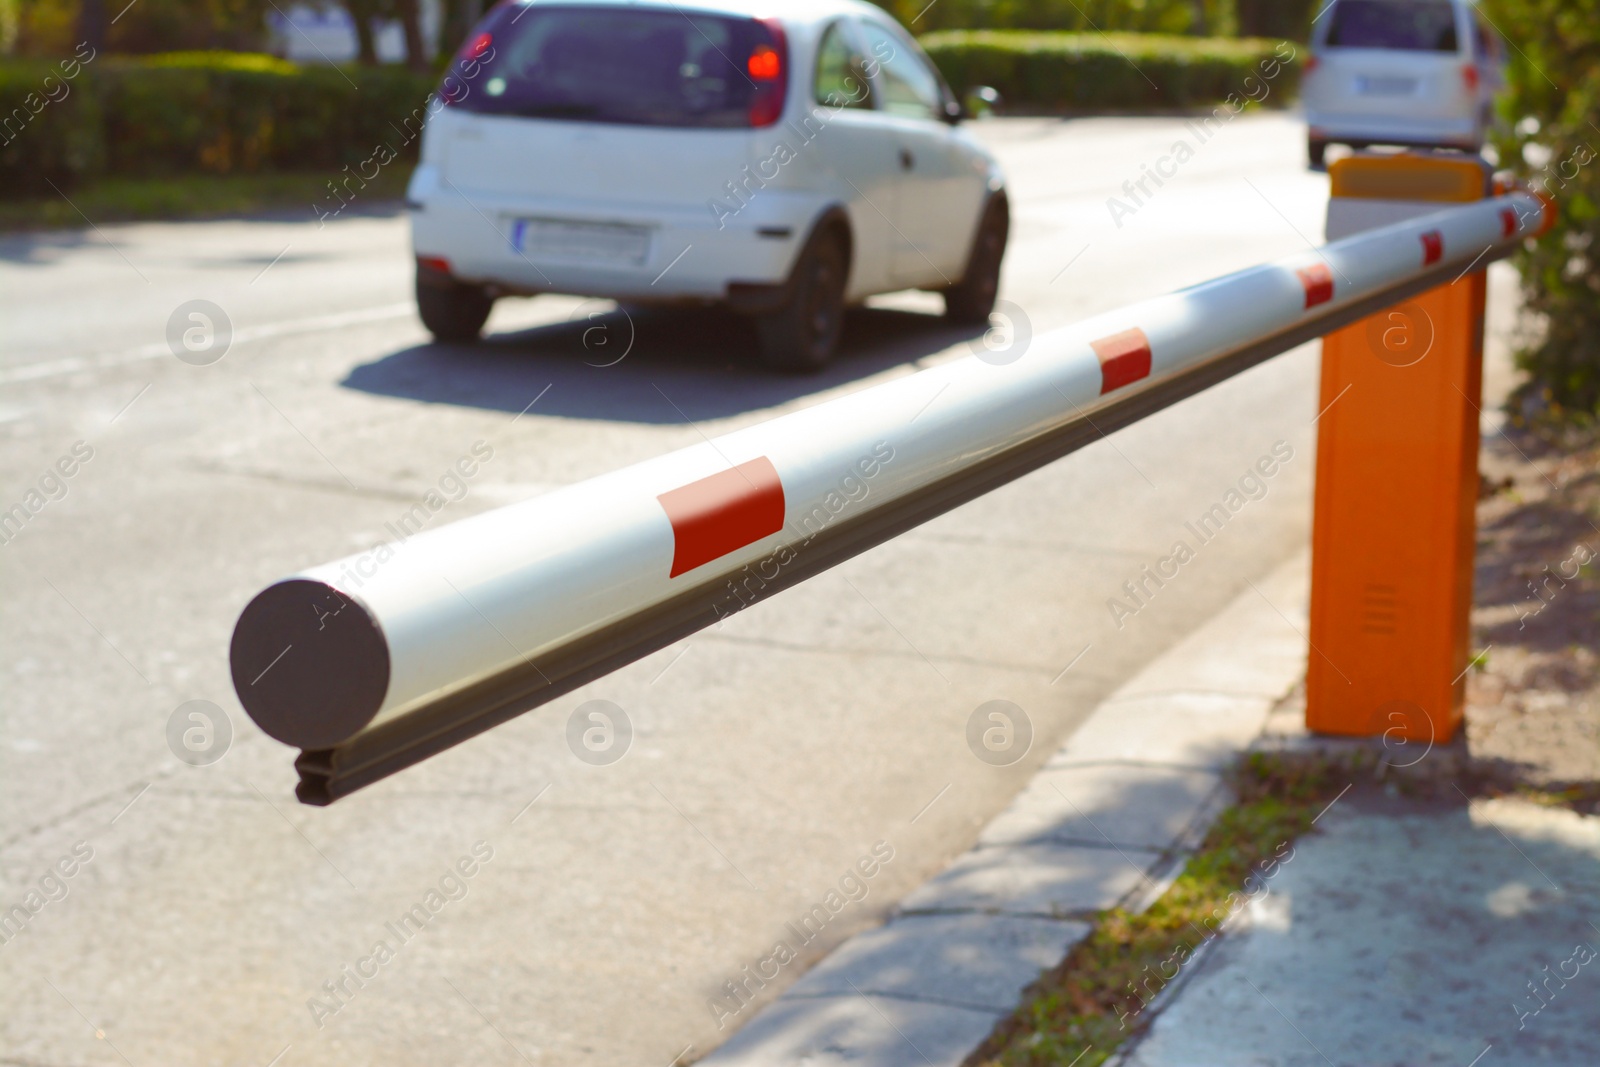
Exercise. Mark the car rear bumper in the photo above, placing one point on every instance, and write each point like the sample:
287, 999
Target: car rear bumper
1393, 129
691, 253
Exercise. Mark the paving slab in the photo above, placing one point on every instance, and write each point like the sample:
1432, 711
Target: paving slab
1198, 729
1110, 805
981, 962
1424, 936
1245, 650
855, 1031
1046, 879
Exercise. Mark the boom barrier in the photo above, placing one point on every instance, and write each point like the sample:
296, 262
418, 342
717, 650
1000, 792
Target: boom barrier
370, 667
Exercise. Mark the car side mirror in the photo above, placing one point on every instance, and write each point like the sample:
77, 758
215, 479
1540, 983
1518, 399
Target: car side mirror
982, 102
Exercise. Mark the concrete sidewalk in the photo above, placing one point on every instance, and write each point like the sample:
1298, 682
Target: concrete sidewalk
1445, 932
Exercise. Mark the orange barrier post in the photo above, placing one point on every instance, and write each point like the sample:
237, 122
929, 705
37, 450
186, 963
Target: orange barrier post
1397, 477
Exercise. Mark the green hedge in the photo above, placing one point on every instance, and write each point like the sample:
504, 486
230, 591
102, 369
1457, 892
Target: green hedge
1139, 16
1220, 18
231, 113
51, 129
220, 113
1094, 71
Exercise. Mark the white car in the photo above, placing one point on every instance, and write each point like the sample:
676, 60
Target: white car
784, 157
1419, 73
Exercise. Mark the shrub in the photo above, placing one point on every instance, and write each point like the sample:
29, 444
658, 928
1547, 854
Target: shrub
1551, 140
50, 126
215, 112
1143, 16
1092, 71
229, 112
1222, 18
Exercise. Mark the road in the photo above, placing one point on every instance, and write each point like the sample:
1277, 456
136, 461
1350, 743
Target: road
767, 758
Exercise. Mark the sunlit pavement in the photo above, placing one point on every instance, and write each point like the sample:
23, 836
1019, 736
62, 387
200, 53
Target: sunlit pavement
1426, 934
209, 917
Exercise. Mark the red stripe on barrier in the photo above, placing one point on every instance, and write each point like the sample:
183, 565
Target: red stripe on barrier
723, 513
1124, 359
1432, 247
1508, 222
1318, 284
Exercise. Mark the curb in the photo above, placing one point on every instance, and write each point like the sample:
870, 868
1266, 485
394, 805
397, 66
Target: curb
1108, 821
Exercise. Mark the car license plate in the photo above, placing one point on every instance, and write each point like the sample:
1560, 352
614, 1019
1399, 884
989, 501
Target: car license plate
1385, 86
581, 242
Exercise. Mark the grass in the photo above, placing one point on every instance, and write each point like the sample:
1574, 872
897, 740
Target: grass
194, 197
1080, 1012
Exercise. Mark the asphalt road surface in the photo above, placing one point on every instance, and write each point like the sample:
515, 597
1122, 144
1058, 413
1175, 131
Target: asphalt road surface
208, 918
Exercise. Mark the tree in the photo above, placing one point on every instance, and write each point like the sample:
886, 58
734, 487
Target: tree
1550, 138
459, 18
92, 24
410, 14
1276, 18
363, 13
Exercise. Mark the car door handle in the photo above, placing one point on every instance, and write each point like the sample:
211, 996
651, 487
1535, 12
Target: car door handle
907, 160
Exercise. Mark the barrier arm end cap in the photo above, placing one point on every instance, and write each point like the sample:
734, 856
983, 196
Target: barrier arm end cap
309, 662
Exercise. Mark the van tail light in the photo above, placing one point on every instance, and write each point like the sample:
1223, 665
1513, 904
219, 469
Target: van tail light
1311, 64
433, 265
1469, 76
768, 69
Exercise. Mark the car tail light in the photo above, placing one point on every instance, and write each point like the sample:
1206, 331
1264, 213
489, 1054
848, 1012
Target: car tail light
1469, 76
437, 264
764, 64
454, 88
767, 67
1311, 64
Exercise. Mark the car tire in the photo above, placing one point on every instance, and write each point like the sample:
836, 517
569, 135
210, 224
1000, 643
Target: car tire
971, 300
1318, 152
801, 335
453, 311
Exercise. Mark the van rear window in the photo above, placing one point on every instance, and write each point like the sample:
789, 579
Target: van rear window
621, 65
1400, 25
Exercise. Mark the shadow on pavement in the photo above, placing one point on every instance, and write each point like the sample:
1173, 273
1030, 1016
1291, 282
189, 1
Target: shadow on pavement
46, 242
1535, 580
646, 365
41, 246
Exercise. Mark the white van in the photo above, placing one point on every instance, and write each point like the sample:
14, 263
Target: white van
1419, 73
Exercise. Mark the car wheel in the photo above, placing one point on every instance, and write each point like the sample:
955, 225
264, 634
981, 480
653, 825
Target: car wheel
801, 335
971, 300
451, 310
1318, 151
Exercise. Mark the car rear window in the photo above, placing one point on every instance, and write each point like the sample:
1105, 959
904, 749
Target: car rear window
621, 65
1401, 25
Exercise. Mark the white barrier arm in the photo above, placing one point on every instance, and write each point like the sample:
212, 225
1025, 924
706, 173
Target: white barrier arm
370, 667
